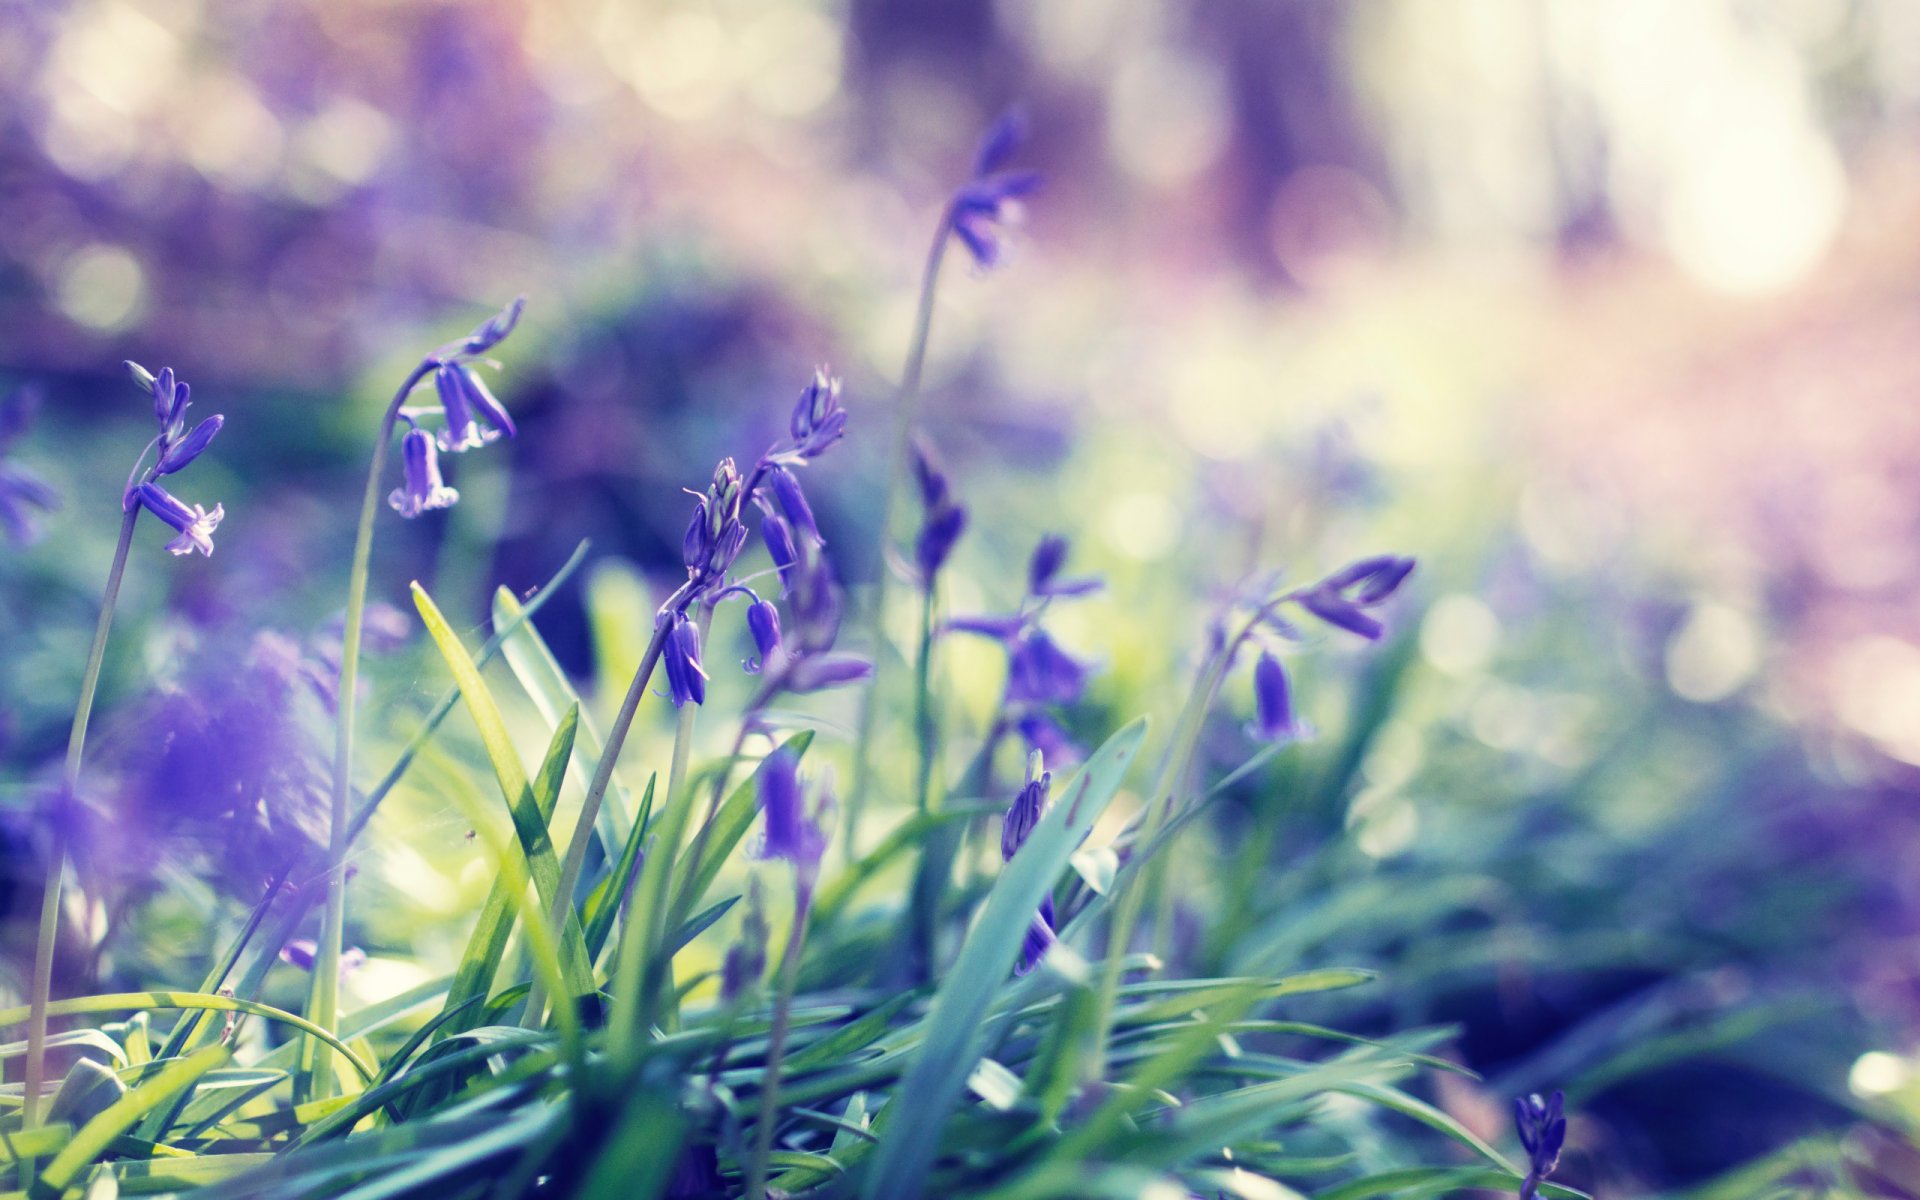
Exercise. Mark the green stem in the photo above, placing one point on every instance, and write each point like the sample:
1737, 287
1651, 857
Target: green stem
896, 475
323, 1008
926, 889
776, 1049
42, 988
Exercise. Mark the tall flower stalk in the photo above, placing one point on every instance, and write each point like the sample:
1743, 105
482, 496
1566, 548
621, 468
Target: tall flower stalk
978, 215
473, 418
173, 447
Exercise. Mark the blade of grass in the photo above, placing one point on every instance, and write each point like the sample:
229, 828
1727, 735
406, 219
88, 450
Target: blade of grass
96, 1135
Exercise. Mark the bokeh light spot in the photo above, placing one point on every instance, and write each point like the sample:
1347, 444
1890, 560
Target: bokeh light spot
102, 287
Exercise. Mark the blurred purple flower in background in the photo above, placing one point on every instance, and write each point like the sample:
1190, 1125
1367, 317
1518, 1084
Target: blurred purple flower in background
1342, 598
987, 206
791, 833
21, 491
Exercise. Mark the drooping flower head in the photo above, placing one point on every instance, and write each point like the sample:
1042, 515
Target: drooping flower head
946, 518
1040, 672
990, 203
193, 522
763, 622
21, 491
474, 416
1343, 598
1542, 1125
423, 489
746, 959
1274, 719
686, 680
1043, 571
791, 833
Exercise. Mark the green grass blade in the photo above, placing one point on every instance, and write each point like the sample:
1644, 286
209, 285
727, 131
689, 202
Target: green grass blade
604, 905
123, 1001
96, 1135
955, 1037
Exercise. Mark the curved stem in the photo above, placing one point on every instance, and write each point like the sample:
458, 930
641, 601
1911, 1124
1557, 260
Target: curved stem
42, 987
323, 1008
896, 474
776, 1049
925, 901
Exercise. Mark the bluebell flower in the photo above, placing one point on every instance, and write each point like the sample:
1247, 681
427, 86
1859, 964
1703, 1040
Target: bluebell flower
790, 833
1047, 736
474, 416
763, 621
987, 205
1343, 598
818, 672
786, 558
1039, 938
1040, 672
1043, 571
929, 475
937, 539
1542, 1125
698, 544
686, 680
194, 523
301, 952
1026, 809
793, 502
1274, 718
746, 959
21, 491
495, 328
818, 420
176, 444
420, 466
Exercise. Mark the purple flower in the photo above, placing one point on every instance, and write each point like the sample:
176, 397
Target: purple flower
990, 203
1026, 810
999, 628
786, 559
763, 621
818, 420
195, 524
686, 680
818, 672
171, 399
179, 454
20, 490
937, 538
495, 329
423, 489
1542, 1125
300, 952
1043, 571
790, 833
1273, 703
928, 473
1342, 598
474, 417
793, 502
746, 959
1039, 938
1040, 672
1044, 734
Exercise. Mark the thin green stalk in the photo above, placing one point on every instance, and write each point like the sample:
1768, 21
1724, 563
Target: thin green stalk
896, 475
42, 990
926, 889
323, 1008
776, 1049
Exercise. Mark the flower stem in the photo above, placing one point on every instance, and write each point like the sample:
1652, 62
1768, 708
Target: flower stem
323, 1007
776, 1049
896, 474
935, 856
57, 844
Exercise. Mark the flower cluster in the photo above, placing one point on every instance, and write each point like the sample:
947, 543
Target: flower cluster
20, 490
175, 446
473, 416
1028, 807
1542, 1125
797, 660
990, 203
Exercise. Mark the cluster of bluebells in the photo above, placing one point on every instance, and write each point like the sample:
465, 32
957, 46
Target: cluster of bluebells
473, 416
799, 658
990, 203
20, 490
1542, 1125
1040, 675
175, 446
1346, 600
1025, 813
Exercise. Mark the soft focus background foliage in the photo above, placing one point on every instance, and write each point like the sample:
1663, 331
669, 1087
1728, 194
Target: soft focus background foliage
1605, 312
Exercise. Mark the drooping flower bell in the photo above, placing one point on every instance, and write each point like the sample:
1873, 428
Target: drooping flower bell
1040, 672
1274, 719
176, 445
474, 416
194, 523
946, 518
791, 833
1343, 598
686, 680
1043, 571
763, 621
1542, 1125
423, 488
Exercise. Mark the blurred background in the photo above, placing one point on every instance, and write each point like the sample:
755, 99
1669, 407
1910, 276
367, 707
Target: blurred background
1605, 312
